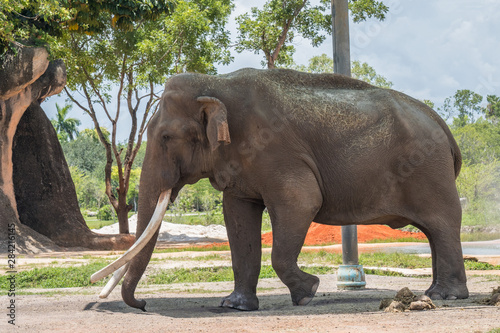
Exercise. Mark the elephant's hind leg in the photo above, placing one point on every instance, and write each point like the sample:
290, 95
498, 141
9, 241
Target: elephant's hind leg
291, 216
443, 231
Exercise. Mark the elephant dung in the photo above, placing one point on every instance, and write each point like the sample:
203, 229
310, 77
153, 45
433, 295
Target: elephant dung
406, 300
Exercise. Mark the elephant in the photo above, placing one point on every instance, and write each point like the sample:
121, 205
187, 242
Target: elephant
308, 147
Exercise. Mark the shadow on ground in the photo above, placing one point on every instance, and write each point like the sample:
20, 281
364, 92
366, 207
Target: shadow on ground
340, 302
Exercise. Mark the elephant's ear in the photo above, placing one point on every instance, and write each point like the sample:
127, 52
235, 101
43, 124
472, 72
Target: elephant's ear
216, 115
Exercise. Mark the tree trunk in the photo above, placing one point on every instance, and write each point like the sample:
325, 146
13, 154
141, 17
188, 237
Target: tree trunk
122, 213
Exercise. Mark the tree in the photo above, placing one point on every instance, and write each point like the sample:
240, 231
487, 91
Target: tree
363, 71
67, 128
465, 104
273, 28
136, 61
31, 22
87, 153
479, 142
360, 71
492, 110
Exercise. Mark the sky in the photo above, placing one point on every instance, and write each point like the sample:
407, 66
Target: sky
429, 49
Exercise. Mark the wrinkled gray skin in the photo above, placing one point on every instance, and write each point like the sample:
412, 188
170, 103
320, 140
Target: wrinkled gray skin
309, 147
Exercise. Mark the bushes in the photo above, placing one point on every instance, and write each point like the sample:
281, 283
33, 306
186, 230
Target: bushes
105, 213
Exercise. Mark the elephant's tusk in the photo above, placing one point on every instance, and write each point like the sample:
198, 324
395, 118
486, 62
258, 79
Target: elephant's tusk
139, 244
115, 279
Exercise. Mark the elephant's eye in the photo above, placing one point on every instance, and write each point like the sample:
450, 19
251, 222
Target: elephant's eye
166, 138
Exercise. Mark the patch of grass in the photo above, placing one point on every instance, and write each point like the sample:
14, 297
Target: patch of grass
95, 223
194, 248
216, 274
322, 256
479, 266
382, 272
56, 277
398, 240
198, 219
479, 236
397, 259
495, 330
185, 275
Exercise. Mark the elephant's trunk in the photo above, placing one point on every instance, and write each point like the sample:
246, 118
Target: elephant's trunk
137, 266
139, 254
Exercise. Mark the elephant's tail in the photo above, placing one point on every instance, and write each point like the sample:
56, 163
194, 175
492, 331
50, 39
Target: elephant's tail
455, 151
457, 155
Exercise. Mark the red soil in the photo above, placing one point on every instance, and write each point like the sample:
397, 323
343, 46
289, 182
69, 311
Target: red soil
320, 234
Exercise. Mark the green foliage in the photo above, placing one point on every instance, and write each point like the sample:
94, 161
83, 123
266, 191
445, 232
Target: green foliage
191, 38
359, 70
31, 22
492, 110
42, 22
363, 71
364, 9
479, 142
135, 49
66, 128
429, 103
199, 197
133, 190
86, 153
95, 223
105, 213
464, 105
273, 28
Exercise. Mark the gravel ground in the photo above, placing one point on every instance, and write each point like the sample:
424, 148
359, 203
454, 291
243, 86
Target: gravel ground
194, 307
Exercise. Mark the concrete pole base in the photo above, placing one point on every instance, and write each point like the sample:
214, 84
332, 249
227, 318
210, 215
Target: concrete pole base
351, 277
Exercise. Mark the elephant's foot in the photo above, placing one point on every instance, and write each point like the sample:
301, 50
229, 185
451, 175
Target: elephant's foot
456, 291
240, 301
303, 295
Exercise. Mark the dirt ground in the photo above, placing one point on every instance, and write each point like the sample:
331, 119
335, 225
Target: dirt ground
194, 307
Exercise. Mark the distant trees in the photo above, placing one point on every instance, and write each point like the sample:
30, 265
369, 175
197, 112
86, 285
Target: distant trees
273, 28
86, 158
66, 128
476, 127
361, 71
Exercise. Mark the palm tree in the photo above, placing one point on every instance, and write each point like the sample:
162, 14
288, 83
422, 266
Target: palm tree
66, 127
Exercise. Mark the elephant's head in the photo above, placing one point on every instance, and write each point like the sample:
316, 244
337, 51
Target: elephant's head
182, 139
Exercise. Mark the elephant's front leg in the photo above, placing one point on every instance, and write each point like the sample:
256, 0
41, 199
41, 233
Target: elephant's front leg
243, 220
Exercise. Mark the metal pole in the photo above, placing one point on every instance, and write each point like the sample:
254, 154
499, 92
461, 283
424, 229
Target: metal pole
350, 275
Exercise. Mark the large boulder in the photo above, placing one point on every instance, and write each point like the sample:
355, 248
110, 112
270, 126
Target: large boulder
37, 194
